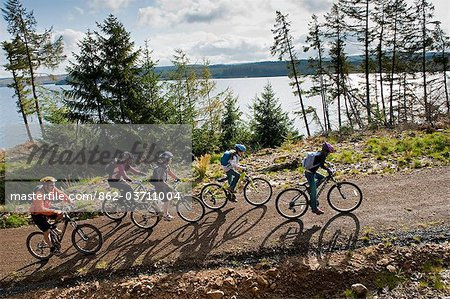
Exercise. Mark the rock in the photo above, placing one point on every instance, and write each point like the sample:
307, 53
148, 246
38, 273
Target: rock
360, 290
273, 286
255, 290
262, 281
273, 272
391, 268
383, 262
229, 281
215, 294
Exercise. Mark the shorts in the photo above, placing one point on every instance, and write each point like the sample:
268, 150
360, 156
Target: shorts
41, 221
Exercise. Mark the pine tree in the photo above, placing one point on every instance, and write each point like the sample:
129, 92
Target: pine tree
231, 122
270, 125
84, 100
15, 54
39, 48
314, 39
120, 76
157, 109
283, 45
442, 44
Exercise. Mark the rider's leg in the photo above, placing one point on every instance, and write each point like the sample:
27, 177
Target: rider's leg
42, 223
312, 191
318, 177
47, 238
235, 178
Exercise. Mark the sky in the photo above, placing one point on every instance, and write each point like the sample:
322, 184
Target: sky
221, 31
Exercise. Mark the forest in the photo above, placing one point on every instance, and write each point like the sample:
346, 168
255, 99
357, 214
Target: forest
402, 64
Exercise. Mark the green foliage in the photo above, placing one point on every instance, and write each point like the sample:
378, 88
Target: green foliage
346, 157
388, 279
14, 220
201, 166
269, 120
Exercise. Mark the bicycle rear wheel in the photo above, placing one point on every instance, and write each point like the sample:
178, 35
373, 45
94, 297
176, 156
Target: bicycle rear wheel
114, 209
344, 197
292, 203
146, 215
190, 209
257, 191
214, 196
37, 246
87, 239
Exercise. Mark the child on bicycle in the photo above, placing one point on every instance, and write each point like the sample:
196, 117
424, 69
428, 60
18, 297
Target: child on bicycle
313, 177
119, 178
41, 211
159, 180
231, 166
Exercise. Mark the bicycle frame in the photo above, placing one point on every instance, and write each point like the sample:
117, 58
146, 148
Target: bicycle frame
320, 186
67, 220
244, 176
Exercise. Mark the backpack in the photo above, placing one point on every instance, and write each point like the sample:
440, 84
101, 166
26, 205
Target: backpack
226, 157
308, 161
109, 168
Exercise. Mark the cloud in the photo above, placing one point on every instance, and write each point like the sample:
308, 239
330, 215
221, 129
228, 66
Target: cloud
167, 13
316, 6
115, 5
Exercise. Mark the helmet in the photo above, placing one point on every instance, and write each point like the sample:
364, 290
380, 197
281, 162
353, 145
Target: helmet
126, 156
328, 147
240, 147
165, 156
48, 179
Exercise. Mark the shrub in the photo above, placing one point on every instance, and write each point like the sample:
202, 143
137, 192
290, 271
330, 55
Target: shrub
201, 166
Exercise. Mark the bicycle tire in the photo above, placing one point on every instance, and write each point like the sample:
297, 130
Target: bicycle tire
95, 238
334, 199
213, 193
146, 216
186, 207
249, 198
284, 200
41, 245
117, 205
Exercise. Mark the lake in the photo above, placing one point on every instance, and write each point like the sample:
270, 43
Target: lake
246, 89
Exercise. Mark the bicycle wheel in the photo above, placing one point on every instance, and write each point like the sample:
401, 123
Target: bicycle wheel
146, 215
114, 209
344, 197
292, 203
257, 191
37, 246
214, 196
190, 209
87, 239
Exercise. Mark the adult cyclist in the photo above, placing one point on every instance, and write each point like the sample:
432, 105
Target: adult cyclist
41, 210
314, 177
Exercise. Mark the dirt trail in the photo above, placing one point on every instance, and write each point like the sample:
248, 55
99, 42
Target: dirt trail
391, 203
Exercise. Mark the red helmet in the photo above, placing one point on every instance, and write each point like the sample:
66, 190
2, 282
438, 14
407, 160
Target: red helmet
328, 147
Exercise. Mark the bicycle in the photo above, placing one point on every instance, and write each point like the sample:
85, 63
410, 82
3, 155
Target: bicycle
344, 197
86, 238
257, 192
189, 208
144, 212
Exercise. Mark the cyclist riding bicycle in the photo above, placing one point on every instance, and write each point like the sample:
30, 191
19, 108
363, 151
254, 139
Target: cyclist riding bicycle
118, 178
231, 166
159, 180
41, 211
317, 160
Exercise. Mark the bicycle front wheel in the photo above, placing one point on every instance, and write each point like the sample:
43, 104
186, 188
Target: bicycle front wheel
257, 191
344, 197
87, 239
37, 246
292, 203
146, 215
190, 209
114, 209
214, 196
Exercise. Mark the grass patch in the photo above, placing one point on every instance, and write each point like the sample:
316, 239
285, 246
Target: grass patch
14, 220
388, 279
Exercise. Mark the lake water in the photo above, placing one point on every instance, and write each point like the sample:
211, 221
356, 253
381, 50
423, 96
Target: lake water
246, 89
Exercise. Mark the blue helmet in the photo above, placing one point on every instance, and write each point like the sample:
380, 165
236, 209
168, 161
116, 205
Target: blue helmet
240, 147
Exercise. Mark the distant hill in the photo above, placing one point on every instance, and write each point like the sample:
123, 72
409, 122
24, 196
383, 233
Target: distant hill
240, 70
